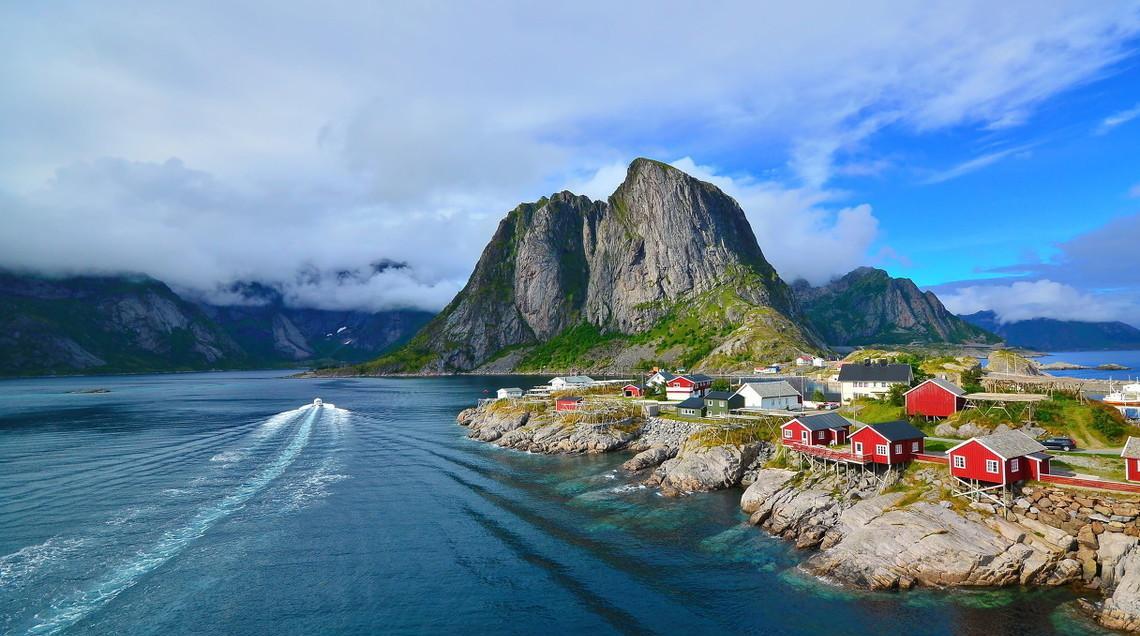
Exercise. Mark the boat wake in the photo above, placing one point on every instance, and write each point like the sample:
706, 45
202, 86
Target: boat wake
70, 610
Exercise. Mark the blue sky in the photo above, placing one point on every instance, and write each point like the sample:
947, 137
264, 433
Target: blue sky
986, 152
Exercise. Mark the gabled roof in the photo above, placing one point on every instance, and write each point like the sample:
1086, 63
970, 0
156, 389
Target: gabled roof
699, 377
570, 398
575, 379
665, 375
1007, 444
511, 388
858, 372
634, 385
1131, 448
692, 403
821, 421
780, 388
945, 384
896, 431
719, 395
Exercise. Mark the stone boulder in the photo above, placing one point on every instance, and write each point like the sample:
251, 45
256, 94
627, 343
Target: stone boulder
697, 469
650, 458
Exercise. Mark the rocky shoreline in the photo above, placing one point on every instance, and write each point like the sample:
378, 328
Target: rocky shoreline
873, 531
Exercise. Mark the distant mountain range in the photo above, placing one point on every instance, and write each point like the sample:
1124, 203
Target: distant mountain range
113, 324
1047, 334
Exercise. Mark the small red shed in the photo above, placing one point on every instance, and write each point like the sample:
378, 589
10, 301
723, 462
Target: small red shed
1001, 458
568, 403
1131, 455
633, 390
889, 442
935, 398
823, 429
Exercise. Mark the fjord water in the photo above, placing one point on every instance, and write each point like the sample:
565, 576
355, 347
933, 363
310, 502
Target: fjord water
223, 503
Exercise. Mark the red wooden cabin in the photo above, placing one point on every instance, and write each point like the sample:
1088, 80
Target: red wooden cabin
1131, 455
935, 398
889, 442
568, 403
686, 386
823, 429
1001, 458
633, 390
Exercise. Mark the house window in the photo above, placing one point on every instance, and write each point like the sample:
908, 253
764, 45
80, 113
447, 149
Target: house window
881, 449
959, 461
992, 466
858, 448
804, 436
914, 447
1014, 465
898, 449
787, 433
819, 435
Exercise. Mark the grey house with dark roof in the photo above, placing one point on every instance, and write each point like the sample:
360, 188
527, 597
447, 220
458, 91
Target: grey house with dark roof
872, 378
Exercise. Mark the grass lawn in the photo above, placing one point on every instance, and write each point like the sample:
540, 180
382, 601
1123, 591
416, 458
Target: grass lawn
873, 411
936, 446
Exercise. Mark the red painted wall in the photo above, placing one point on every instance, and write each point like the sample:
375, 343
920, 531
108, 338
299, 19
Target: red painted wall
816, 438
931, 400
976, 455
566, 405
896, 455
1132, 469
631, 391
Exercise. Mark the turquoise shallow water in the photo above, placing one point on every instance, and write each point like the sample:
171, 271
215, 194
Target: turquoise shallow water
220, 503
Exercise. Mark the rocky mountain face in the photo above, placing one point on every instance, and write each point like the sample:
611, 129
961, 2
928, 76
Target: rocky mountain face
867, 306
1047, 334
112, 324
566, 278
92, 324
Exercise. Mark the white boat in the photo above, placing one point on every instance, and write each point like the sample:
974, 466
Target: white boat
1126, 400
317, 402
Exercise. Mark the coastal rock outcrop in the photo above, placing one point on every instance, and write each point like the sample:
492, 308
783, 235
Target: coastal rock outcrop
883, 541
697, 468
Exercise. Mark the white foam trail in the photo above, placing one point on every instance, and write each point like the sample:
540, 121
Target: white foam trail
81, 605
18, 567
274, 424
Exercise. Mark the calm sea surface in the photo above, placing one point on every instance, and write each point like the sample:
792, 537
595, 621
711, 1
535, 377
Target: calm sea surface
1130, 359
221, 504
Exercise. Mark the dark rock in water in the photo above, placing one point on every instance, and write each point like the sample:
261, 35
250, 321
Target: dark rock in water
88, 391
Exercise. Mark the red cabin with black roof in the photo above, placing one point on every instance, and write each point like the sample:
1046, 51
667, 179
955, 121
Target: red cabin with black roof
1131, 455
822, 429
888, 443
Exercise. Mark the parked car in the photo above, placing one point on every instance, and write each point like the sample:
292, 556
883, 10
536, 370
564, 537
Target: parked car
1059, 443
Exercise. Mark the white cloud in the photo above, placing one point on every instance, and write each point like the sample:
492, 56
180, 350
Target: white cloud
1039, 299
973, 165
1118, 118
333, 136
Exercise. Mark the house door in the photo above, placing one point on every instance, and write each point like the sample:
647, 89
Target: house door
804, 437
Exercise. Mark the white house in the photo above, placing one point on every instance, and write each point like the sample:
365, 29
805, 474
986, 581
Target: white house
770, 395
511, 392
803, 361
818, 362
872, 379
561, 383
660, 378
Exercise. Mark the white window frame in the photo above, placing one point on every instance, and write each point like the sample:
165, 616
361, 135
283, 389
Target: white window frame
993, 466
787, 433
882, 449
805, 437
858, 448
1014, 465
898, 449
959, 461
821, 435
914, 447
